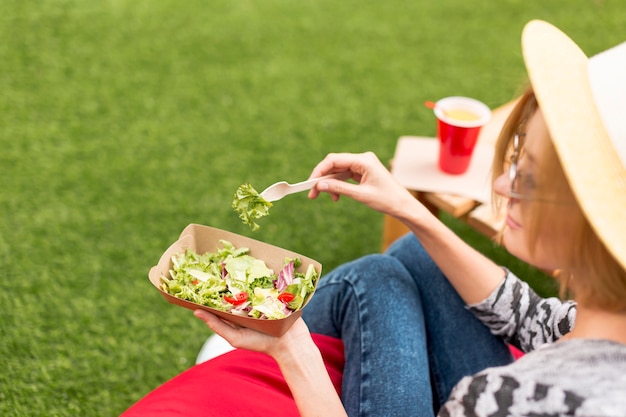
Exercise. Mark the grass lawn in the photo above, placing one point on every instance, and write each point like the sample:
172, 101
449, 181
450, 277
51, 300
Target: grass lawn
122, 121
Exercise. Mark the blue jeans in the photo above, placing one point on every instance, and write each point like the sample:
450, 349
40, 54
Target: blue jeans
408, 337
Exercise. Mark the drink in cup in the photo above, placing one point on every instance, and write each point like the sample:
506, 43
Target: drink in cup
459, 120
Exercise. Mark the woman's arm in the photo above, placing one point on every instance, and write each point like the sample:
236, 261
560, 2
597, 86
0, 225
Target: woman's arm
472, 274
522, 317
298, 357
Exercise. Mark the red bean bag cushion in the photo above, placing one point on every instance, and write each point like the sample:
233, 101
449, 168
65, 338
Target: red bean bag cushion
236, 384
515, 352
239, 383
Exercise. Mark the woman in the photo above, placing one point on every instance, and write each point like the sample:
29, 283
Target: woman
425, 325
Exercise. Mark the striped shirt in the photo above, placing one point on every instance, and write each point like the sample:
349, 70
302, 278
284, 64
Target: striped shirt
577, 377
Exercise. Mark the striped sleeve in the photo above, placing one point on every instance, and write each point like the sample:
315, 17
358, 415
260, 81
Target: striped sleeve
524, 319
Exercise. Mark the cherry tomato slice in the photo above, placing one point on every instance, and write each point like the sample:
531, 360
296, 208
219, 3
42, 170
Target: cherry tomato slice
238, 299
286, 297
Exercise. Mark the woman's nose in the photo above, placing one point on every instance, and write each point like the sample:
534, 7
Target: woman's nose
502, 185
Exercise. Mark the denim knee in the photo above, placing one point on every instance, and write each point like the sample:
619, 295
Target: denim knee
409, 248
375, 272
414, 258
372, 286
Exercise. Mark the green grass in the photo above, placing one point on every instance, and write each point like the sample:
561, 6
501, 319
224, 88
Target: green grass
122, 121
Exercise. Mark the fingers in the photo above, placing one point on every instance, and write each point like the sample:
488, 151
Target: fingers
356, 165
342, 162
225, 329
237, 336
337, 188
375, 185
323, 187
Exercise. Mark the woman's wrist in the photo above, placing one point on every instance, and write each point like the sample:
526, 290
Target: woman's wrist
415, 215
302, 365
291, 350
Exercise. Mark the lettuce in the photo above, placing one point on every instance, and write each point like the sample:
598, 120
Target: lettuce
233, 281
249, 205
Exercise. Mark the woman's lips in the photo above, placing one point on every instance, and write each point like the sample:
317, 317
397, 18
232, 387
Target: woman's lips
512, 223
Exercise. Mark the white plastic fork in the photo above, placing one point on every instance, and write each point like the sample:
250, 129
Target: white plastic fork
282, 188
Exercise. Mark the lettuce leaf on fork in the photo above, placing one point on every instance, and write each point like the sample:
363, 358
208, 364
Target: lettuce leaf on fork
249, 205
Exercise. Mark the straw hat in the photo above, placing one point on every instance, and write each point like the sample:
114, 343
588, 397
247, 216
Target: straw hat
583, 102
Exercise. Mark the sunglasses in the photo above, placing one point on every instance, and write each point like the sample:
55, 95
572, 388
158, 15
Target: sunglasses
514, 173
523, 186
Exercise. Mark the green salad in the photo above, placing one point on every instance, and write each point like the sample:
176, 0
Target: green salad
249, 204
233, 281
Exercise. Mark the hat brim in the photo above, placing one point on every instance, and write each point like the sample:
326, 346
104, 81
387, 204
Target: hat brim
558, 72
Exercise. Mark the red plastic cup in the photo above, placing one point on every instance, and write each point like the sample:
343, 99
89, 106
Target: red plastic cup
459, 120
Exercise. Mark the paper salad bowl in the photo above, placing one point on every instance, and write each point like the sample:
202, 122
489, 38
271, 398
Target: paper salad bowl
204, 238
